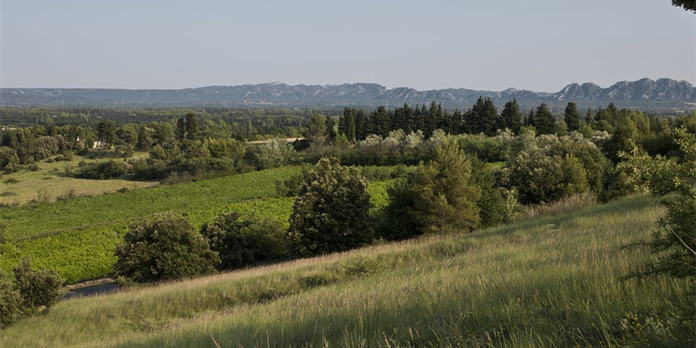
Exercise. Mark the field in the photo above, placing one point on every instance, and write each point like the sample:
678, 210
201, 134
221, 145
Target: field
49, 182
78, 237
553, 281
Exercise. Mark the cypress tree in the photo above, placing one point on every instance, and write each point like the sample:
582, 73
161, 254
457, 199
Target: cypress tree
361, 125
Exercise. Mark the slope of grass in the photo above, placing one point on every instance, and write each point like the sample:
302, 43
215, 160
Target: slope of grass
548, 282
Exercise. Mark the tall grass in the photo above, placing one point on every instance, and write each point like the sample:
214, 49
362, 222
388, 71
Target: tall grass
548, 282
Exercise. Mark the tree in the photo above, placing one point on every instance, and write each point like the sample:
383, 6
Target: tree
483, 117
164, 247
542, 177
275, 153
688, 5
331, 213
244, 242
37, 288
544, 122
316, 129
437, 197
9, 161
106, 131
673, 180
511, 116
572, 117
330, 128
191, 126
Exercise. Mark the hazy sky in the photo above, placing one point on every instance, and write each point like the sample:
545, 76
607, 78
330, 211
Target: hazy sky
479, 44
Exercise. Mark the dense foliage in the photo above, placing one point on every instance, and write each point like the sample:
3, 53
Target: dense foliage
673, 179
29, 292
437, 197
241, 243
162, 248
332, 211
686, 4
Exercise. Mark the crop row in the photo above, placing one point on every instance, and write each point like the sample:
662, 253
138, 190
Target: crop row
27, 221
88, 253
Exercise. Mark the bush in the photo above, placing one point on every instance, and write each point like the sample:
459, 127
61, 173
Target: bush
437, 197
38, 288
543, 179
9, 161
332, 212
494, 200
275, 153
242, 243
164, 247
10, 302
103, 170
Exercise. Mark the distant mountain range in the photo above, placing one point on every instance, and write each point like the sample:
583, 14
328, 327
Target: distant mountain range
662, 94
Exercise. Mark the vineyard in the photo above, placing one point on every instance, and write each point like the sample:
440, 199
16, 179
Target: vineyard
77, 237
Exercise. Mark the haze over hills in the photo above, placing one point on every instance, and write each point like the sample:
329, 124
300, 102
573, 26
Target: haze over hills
662, 94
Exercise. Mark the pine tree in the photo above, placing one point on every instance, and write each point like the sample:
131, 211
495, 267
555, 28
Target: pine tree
483, 117
511, 116
572, 117
544, 122
438, 197
361, 125
351, 126
588, 116
409, 120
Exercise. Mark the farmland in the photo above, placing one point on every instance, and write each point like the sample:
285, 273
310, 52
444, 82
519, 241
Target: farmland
77, 237
548, 282
48, 182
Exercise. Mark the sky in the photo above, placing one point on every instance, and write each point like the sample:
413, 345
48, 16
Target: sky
541, 45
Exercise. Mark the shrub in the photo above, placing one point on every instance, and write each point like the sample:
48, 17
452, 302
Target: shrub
10, 302
493, 202
37, 288
540, 178
275, 153
164, 247
103, 170
674, 181
332, 212
241, 243
9, 161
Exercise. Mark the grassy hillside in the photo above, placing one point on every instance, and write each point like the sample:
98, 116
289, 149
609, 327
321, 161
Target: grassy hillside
548, 282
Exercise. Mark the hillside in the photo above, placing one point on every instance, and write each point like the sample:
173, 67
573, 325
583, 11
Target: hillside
662, 94
549, 282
